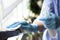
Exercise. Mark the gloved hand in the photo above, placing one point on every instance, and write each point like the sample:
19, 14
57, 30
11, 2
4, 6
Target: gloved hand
16, 25
22, 25
49, 21
13, 26
28, 27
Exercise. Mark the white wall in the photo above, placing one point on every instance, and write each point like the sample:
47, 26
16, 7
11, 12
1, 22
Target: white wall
17, 14
14, 16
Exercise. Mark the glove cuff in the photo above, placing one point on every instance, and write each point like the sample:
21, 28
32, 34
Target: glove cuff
34, 27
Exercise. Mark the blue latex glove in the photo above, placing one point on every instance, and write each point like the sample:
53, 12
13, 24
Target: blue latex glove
49, 21
23, 25
29, 27
13, 26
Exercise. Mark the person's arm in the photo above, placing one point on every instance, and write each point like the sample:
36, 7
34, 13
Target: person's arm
47, 8
23, 25
44, 10
40, 25
47, 18
10, 8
